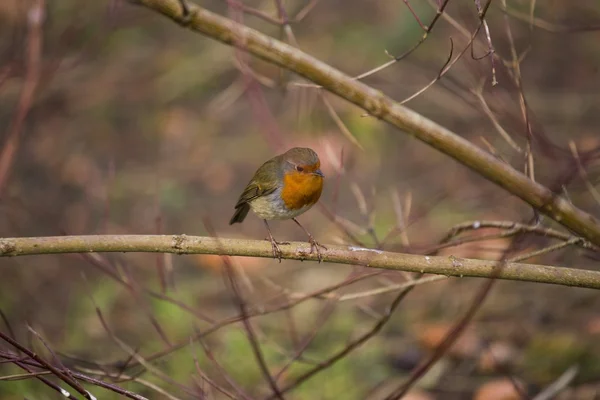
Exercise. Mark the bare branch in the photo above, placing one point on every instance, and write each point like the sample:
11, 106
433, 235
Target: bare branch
183, 244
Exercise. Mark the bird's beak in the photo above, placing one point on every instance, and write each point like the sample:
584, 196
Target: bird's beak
319, 173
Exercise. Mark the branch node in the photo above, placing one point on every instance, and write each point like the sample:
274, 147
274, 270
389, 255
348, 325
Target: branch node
186, 14
179, 243
7, 248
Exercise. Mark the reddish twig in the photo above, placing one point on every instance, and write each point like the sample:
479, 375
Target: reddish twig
350, 347
245, 318
35, 19
56, 371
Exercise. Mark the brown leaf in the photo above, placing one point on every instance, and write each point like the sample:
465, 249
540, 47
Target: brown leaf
500, 389
431, 335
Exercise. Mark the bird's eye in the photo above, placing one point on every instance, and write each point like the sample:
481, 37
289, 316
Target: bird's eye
299, 168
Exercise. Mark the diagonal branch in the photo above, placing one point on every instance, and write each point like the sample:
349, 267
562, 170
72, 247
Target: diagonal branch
381, 106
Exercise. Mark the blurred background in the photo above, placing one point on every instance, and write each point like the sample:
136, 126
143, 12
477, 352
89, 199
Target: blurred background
117, 121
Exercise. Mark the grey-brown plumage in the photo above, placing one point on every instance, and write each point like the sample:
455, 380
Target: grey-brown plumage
263, 182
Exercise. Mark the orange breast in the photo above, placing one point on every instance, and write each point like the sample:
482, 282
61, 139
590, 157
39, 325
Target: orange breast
301, 190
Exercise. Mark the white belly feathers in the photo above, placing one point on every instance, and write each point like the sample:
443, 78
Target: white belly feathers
271, 206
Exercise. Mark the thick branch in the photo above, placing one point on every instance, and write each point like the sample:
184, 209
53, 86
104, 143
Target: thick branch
182, 244
383, 107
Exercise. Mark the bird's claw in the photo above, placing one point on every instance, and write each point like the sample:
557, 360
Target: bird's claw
276, 249
314, 245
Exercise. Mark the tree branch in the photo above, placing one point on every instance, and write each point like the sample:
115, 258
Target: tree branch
381, 106
182, 244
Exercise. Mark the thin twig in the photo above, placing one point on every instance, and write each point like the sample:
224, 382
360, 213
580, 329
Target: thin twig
241, 393
546, 25
35, 18
353, 345
338, 121
559, 385
479, 94
395, 59
583, 174
456, 330
445, 68
245, 318
59, 373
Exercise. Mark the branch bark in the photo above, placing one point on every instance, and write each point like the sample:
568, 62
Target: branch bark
183, 244
383, 107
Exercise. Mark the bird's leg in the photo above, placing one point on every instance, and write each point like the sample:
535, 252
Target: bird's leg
314, 245
274, 244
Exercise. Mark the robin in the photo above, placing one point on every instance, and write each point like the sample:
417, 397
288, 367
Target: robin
283, 188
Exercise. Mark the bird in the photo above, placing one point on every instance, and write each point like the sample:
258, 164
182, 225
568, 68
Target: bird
282, 188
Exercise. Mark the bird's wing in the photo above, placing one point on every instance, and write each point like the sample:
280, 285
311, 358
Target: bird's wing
255, 190
264, 182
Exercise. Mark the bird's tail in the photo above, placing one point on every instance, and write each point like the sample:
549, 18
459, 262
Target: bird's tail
240, 213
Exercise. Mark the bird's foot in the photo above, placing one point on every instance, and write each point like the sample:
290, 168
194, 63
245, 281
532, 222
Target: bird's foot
314, 245
276, 249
